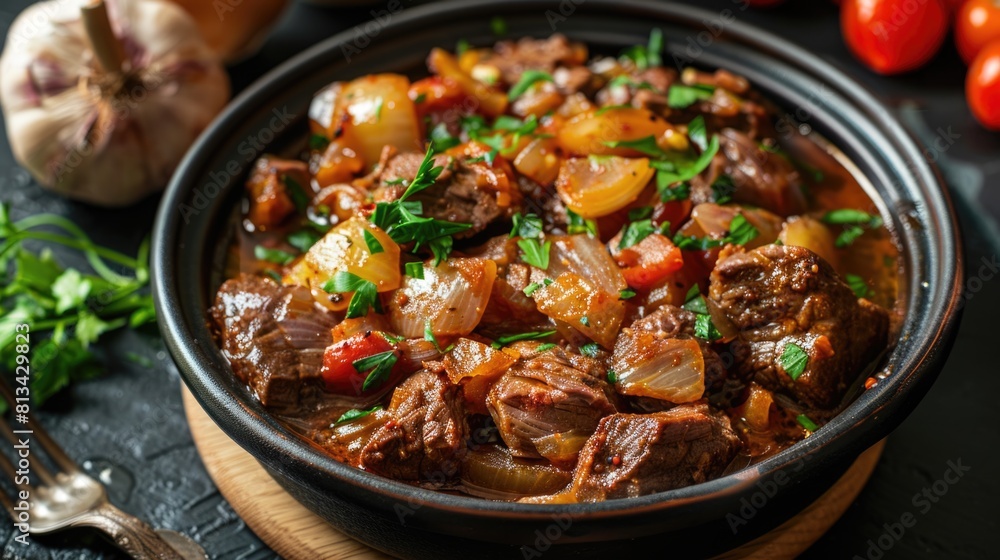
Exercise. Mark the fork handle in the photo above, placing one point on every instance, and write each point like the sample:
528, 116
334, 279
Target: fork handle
130, 533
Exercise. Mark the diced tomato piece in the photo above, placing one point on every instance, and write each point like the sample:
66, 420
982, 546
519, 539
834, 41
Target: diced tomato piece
435, 94
338, 363
271, 186
649, 262
676, 212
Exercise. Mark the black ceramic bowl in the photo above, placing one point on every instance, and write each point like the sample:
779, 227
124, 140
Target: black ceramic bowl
195, 221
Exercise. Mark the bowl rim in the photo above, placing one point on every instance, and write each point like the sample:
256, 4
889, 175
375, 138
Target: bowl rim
869, 418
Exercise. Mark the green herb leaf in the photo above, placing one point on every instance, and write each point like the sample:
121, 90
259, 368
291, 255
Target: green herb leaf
626, 294
276, 256
680, 96
429, 335
365, 293
612, 376
684, 169
680, 191
858, 285
741, 231
806, 423
697, 132
535, 335
695, 302
626, 81
441, 139
794, 360
705, 329
296, 192
303, 239
590, 349
635, 232
646, 145
461, 47
849, 236
70, 290
498, 26
354, 414
578, 224
535, 253
845, 216
723, 189
545, 347
318, 142
585, 321
527, 226
374, 246
531, 288
415, 270
378, 367
528, 78
607, 108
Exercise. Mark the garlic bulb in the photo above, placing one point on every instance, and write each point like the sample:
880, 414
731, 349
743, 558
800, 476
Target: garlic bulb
102, 102
234, 29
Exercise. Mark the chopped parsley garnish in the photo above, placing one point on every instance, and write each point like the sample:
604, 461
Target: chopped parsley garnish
531, 288
697, 132
855, 222
635, 232
402, 221
429, 335
695, 302
526, 226
498, 26
678, 170
488, 158
741, 232
849, 236
378, 367
680, 191
623, 81
528, 78
585, 321
374, 247
365, 293
296, 192
806, 422
705, 329
607, 108
415, 270
648, 55
276, 256
858, 285
590, 349
545, 347
612, 376
441, 139
473, 125
723, 189
318, 142
303, 239
535, 253
680, 96
626, 294
646, 145
794, 360
461, 46
354, 414
378, 109
535, 335
420, 98
579, 224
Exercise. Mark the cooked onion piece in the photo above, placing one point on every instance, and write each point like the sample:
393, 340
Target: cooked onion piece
345, 248
587, 257
378, 112
598, 186
602, 132
669, 369
714, 220
580, 303
476, 366
491, 472
812, 234
452, 296
539, 161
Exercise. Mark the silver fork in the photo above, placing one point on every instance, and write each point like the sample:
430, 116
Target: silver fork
71, 498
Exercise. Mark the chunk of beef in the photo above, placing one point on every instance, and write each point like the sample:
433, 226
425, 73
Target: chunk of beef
424, 438
513, 58
762, 178
778, 295
273, 187
547, 404
637, 454
274, 337
647, 90
463, 193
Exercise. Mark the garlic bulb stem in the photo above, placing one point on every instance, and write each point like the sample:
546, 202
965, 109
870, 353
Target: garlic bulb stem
106, 45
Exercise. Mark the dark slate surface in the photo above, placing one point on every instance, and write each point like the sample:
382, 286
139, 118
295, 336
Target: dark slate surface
129, 424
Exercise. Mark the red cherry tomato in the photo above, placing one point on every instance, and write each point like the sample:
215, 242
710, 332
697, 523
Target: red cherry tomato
982, 86
893, 36
977, 23
339, 372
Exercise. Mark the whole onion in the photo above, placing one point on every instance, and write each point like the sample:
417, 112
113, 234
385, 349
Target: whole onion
102, 101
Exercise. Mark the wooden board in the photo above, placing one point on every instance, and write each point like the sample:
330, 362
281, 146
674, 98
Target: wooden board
296, 533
